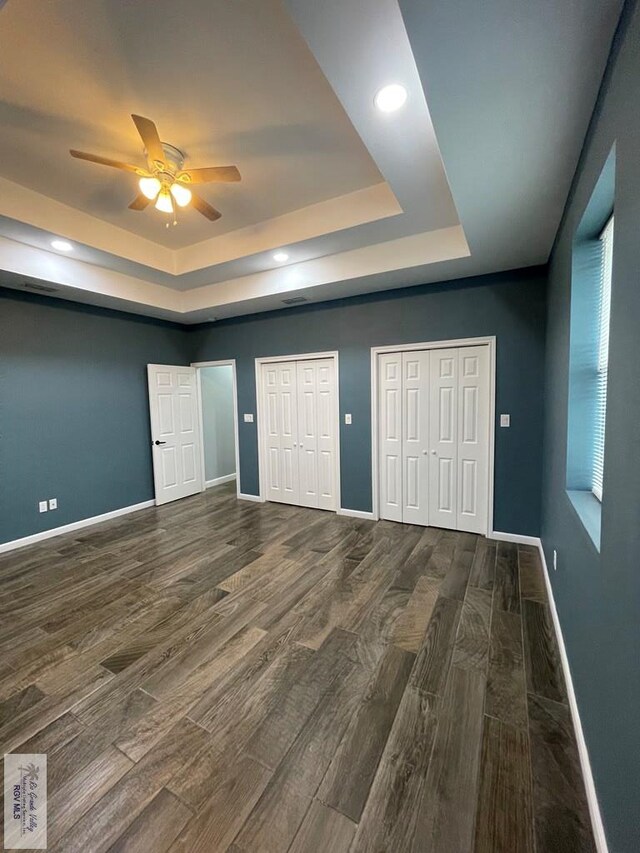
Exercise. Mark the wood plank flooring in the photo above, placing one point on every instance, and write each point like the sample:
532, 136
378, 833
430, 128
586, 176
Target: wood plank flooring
215, 675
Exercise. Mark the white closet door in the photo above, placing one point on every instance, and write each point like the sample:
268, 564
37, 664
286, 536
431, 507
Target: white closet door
390, 435
175, 432
415, 433
279, 382
473, 438
327, 433
443, 438
307, 405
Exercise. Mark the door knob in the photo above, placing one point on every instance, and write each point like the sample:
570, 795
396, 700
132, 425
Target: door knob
425, 452
159, 442
435, 452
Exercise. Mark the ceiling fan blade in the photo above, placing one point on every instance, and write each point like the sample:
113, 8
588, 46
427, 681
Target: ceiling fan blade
140, 202
205, 208
220, 174
105, 161
149, 135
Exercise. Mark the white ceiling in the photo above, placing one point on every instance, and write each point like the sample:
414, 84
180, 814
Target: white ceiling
361, 201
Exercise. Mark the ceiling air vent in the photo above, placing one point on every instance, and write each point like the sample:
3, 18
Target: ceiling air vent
40, 288
295, 300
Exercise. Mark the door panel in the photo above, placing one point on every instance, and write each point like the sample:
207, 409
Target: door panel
443, 422
307, 375
173, 407
390, 439
327, 420
279, 397
473, 439
415, 432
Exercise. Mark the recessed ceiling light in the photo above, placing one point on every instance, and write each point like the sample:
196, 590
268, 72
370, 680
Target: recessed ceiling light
390, 98
281, 257
61, 246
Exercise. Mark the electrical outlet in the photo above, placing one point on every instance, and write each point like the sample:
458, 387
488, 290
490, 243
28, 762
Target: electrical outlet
248, 418
347, 419
42, 506
505, 420
555, 560
53, 503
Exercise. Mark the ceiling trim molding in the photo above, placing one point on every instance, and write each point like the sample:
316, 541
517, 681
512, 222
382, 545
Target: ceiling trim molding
77, 280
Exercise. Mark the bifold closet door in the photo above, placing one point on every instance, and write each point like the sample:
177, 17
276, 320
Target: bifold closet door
415, 437
317, 433
474, 430
433, 430
280, 431
300, 405
443, 438
404, 436
390, 435
459, 438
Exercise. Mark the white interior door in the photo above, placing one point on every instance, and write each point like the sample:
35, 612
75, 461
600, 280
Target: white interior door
473, 438
443, 438
175, 431
415, 437
280, 431
326, 430
390, 435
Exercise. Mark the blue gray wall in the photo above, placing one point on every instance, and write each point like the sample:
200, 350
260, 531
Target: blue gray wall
218, 432
74, 412
509, 305
598, 594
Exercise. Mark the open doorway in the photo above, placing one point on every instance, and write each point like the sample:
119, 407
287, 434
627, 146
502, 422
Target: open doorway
217, 388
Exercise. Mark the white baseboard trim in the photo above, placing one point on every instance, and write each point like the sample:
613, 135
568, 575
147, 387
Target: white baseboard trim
218, 481
515, 537
256, 498
355, 513
585, 764
75, 525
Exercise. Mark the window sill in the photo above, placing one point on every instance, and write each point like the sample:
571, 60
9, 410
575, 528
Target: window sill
589, 511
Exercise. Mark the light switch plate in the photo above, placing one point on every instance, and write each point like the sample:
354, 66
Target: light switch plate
347, 419
505, 420
53, 503
42, 506
248, 418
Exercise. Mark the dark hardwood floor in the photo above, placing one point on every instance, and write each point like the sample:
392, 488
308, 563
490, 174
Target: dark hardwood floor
217, 675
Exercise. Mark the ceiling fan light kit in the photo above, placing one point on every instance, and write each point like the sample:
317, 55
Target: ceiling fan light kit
149, 187
163, 202
181, 194
165, 180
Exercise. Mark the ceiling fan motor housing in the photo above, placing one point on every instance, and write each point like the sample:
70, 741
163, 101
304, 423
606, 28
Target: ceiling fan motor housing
173, 157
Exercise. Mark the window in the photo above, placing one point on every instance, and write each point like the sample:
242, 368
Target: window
591, 287
604, 303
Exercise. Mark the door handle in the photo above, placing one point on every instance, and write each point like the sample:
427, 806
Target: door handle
159, 442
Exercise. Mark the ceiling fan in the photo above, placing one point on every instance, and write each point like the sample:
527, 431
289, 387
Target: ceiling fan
165, 181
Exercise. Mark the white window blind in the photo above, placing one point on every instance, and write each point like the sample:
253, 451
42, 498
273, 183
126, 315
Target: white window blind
604, 305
